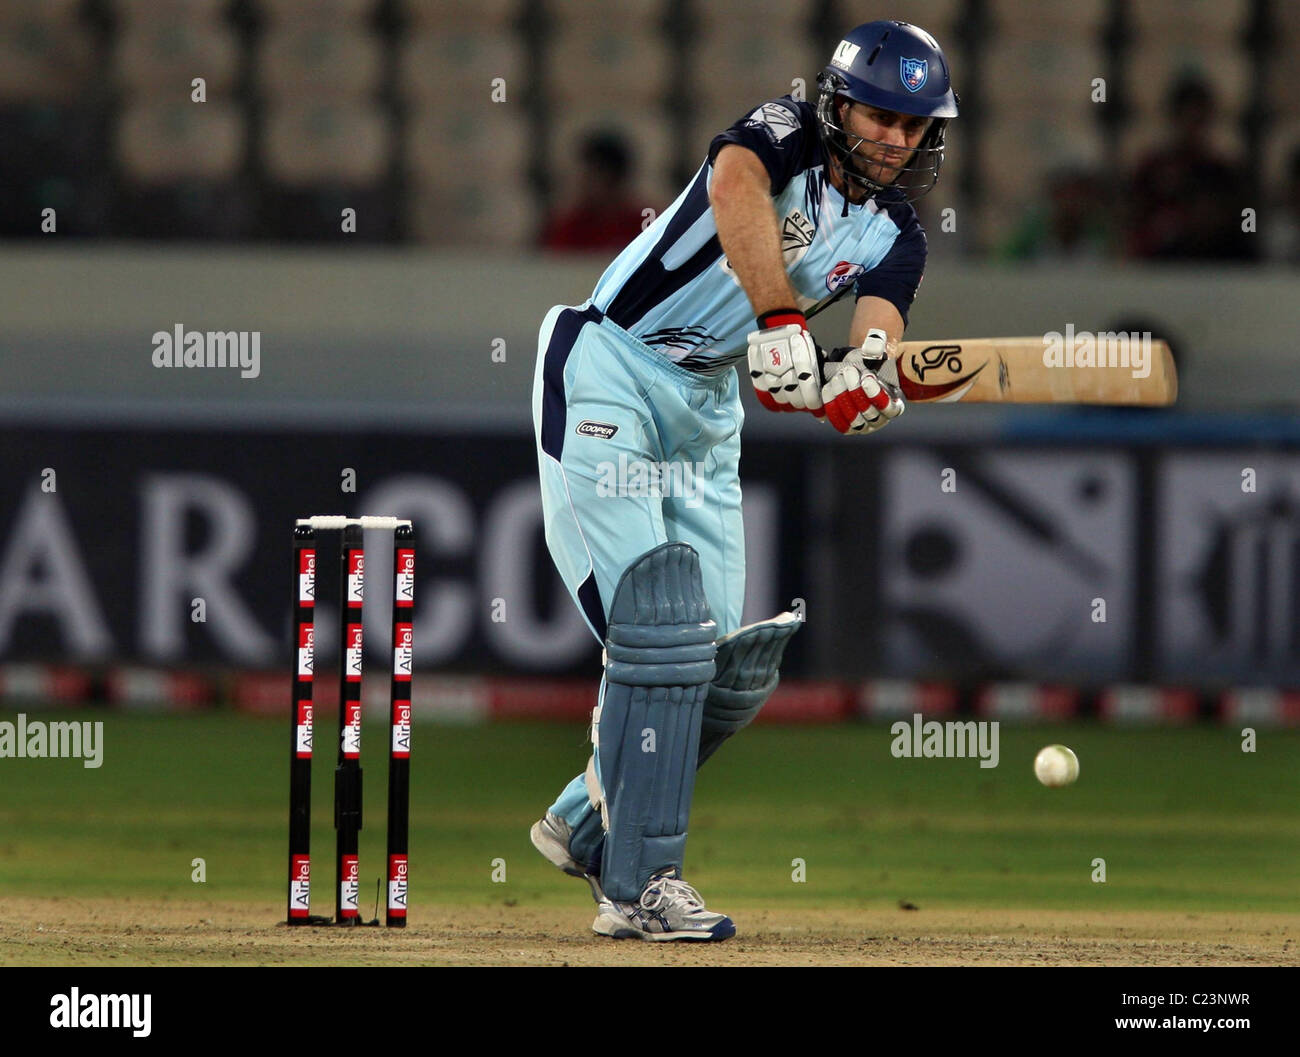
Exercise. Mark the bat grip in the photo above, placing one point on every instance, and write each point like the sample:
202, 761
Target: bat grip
878, 363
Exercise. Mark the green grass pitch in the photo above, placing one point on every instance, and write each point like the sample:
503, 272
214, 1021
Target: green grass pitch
1184, 819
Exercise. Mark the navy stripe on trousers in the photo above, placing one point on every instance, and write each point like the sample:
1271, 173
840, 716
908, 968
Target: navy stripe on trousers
589, 599
555, 421
563, 335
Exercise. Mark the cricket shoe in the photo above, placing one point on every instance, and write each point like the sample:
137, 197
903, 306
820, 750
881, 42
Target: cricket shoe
669, 909
550, 836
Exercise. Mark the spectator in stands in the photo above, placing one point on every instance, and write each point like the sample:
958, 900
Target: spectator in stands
604, 214
1281, 228
1074, 223
1182, 195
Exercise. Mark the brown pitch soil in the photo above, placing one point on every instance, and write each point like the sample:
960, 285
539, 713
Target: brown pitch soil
70, 931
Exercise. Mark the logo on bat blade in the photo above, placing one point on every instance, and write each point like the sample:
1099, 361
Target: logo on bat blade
946, 362
935, 357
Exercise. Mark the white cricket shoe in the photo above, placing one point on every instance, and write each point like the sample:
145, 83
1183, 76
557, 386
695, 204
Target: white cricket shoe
669, 909
550, 836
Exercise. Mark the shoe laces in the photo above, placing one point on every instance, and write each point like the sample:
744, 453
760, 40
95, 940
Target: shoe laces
662, 887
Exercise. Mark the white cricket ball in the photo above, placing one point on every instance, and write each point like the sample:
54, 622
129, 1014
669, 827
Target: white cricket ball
1056, 765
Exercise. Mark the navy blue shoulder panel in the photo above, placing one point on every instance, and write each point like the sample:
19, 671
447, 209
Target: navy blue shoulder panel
783, 133
897, 276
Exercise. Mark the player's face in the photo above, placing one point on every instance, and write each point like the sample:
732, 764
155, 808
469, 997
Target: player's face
889, 136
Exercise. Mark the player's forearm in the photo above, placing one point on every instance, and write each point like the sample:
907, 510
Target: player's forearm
875, 313
751, 239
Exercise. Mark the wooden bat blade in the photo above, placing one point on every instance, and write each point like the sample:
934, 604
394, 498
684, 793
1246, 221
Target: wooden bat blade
1117, 370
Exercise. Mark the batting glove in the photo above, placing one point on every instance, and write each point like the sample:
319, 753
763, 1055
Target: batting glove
856, 397
785, 363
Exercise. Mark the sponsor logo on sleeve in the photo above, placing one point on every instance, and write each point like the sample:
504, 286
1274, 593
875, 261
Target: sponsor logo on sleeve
776, 120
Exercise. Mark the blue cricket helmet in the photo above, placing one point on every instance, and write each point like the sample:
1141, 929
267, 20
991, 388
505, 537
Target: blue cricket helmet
893, 66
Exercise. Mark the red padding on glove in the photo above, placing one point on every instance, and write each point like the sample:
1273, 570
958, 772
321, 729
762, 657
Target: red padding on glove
766, 400
779, 317
841, 412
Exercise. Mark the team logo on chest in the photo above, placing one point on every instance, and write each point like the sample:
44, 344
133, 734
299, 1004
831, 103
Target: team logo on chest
914, 72
842, 274
796, 236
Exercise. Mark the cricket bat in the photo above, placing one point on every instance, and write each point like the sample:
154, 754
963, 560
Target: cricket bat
1084, 369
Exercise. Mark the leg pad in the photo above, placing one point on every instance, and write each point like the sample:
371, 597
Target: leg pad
748, 665
659, 663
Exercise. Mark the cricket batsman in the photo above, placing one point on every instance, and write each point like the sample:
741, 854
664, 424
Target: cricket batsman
796, 206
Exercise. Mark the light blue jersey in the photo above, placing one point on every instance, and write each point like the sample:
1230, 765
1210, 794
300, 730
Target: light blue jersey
674, 289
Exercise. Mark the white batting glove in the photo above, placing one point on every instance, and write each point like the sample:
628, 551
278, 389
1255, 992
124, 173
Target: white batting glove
785, 364
861, 393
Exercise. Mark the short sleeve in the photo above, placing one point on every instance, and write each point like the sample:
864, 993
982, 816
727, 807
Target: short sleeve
782, 132
898, 275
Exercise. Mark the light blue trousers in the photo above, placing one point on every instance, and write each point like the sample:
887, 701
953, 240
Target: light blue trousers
609, 414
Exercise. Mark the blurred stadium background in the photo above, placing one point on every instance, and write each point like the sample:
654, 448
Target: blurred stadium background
401, 346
